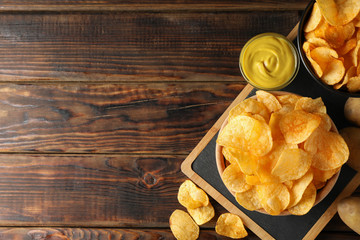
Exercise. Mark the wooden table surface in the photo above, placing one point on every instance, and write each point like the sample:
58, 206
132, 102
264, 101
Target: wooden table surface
102, 100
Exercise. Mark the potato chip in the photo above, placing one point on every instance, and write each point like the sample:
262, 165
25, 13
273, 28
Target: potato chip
323, 55
249, 199
246, 134
319, 184
252, 179
269, 100
288, 99
183, 226
202, 215
310, 105
339, 12
252, 106
323, 176
289, 184
298, 125
291, 170
299, 187
306, 203
354, 54
337, 35
247, 162
354, 84
307, 47
234, 179
227, 152
318, 42
274, 198
326, 122
274, 125
230, 225
334, 72
347, 47
190, 196
314, 19
328, 149
351, 72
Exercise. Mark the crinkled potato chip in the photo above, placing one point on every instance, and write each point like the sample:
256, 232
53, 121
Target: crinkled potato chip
230, 225
298, 125
314, 19
269, 100
326, 122
347, 47
306, 203
318, 42
234, 179
288, 99
329, 150
339, 12
334, 72
183, 226
202, 215
307, 47
249, 199
251, 106
274, 198
310, 105
324, 175
190, 196
295, 168
337, 35
246, 134
351, 72
299, 187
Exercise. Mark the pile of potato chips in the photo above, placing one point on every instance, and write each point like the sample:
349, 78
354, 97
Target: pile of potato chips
332, 44
196, 201
280, 149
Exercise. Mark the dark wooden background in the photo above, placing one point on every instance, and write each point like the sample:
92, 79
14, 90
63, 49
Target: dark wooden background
101, 101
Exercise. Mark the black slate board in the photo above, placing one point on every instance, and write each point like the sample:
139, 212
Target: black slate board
284, 227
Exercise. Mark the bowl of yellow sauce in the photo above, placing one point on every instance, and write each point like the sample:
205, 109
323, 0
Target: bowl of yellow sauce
269, 61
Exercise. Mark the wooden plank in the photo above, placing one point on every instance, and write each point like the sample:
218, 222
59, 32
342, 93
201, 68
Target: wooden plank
126, 47
110, 118
157, 5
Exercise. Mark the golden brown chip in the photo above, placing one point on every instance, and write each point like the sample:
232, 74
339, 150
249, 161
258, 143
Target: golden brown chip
334, 72
314, 19
323, 176
326, 122
252, 179
249, 199
323, 55
306, 203
288, 99
298, 125
234, 179
337, 35
299, 187
328, 149
246, 134
247, 162
183, 226
308, 47
292, 164
230, 225
339, 12
351, 72
347, 47
251, 106
274, 125
202, 215
310, 105
274, 198
269, 100
354, 84
190, 196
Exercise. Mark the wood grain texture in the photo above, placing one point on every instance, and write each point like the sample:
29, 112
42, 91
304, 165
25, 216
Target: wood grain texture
156, 5
110, 118
128, 47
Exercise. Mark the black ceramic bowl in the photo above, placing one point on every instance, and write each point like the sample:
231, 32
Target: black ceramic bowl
305, 61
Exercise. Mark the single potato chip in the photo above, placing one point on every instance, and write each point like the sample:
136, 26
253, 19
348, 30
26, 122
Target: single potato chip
274, 198
247, 162
269, 100
251, 106
314, 19
351, 72
310, 105
202, 215
354, 84
334, 72
249, 199
234, 179
347, 47
329, 150
298, 125
337, 35
190, 196
288, 99
183, 226
306, 203
299, 187
247, 134
274, 125
324, 175
292, 164
351, 136
326, 122
339, 12
230, 225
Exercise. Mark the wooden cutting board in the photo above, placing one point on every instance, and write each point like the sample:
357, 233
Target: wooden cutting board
200, 167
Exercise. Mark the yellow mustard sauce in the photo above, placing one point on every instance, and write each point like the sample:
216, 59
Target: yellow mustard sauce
269, 61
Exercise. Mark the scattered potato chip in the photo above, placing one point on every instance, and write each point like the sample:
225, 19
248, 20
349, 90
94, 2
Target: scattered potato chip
339, 12
274, 198
230, 225
190, 196
295, 168
269, 100
314, 19
310, 105
299, 187
298, 125
249, 199
202, 215
246, 134
251, 106
183, 226
329, 149
234, 179
306, 203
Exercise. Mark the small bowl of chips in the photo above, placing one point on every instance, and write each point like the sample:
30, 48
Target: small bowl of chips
279, 153
329, 44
